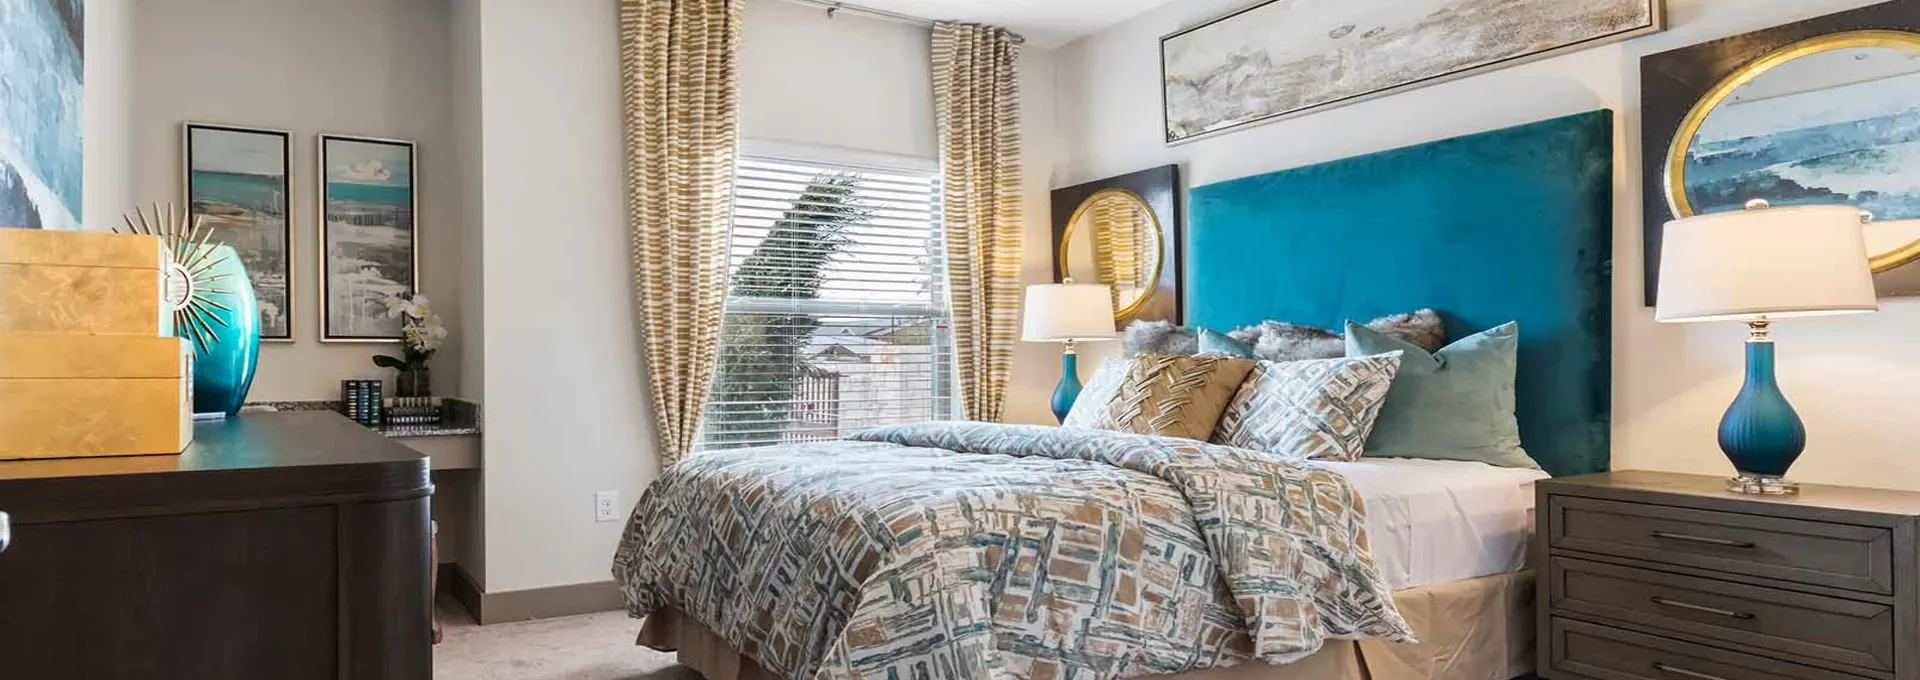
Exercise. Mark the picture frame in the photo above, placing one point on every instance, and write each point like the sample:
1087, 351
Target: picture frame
239, 180
368, 210
1678, 86
1224, 74
1160, 189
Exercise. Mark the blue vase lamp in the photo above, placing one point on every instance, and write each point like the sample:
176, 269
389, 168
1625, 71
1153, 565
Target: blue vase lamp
1758, 266
1068, 313
214, 309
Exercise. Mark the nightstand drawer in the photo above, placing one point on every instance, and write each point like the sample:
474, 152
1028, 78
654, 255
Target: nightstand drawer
1601, 652
1763, 619
1819, 553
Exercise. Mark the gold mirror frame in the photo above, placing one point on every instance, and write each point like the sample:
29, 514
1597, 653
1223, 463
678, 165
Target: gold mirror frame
1159, 245
1697, 117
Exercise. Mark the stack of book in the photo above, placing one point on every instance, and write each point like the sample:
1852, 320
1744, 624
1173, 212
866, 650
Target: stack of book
363, 401
414, 411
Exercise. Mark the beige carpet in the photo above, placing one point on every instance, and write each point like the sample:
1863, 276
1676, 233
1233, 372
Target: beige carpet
590, 647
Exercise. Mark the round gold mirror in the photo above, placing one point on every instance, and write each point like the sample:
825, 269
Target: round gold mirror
1830, 120
1114, 238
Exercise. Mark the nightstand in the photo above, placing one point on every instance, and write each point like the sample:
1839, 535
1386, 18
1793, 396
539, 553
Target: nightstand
1658, 576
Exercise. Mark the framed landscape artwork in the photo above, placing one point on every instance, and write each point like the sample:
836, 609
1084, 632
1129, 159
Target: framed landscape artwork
42, 50
368, 251
1824, 111
1288, 57
237, 181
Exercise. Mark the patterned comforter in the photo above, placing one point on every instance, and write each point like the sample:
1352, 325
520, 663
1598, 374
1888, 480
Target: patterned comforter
969, 550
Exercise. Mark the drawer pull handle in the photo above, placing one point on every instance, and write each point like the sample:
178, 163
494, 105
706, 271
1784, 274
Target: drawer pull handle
1682, 672
1701, 539
6, 532
1664, 602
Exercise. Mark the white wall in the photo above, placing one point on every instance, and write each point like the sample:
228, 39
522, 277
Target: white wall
1852, 378
567, 415
364, 67
107, 114
849, 82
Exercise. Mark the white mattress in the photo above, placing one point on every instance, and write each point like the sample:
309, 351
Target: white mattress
1434, 521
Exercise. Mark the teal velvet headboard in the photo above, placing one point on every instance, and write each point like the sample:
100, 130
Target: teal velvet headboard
1510, 225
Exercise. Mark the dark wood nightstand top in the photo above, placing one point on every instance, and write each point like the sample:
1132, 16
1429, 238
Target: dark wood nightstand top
1815, 501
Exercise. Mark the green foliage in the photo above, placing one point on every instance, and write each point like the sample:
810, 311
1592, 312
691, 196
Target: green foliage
756, 382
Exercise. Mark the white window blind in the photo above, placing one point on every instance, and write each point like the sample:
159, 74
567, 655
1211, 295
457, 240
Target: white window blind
837, 310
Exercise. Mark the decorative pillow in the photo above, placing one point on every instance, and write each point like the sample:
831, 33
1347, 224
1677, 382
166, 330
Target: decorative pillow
1091, 407
1454, 404
1158, 337
1174, 396
1216, 342
1280, 341
1321, 408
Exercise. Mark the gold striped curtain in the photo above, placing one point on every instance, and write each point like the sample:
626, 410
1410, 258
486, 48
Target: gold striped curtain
678, 66
976, 99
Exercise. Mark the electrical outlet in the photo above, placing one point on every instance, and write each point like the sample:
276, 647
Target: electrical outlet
606, 506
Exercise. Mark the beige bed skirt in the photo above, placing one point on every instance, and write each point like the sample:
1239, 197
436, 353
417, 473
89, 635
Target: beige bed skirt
1479, 629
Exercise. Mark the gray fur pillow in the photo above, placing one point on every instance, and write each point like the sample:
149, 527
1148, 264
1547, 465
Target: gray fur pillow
1159, 337
1280, 341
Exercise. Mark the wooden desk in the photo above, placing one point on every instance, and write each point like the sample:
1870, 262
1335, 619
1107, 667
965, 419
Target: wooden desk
281, 545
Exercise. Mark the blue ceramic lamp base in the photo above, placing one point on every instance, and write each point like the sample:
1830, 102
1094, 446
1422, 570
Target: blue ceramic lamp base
1068, 390
1761, 434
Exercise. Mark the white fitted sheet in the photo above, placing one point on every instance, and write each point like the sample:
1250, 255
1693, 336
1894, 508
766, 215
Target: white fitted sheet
1435, 521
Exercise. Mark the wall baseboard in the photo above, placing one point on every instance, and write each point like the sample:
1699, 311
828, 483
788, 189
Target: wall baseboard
535, 603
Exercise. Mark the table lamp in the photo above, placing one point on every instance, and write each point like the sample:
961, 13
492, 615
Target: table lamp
1755, 266
1068, 312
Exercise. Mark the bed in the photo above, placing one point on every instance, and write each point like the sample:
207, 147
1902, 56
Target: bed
986, 551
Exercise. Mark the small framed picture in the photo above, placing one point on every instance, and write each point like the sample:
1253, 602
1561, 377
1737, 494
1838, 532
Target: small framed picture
236, 180
368, 252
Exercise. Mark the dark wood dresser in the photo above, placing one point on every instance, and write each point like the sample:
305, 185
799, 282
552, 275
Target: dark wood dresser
1657, 576
280, 545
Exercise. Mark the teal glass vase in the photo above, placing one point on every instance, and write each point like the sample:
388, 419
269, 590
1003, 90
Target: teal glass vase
221, 319
1068, 391
1760, 433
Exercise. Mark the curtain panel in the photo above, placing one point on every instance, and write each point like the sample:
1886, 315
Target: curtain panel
977, 110
679, 64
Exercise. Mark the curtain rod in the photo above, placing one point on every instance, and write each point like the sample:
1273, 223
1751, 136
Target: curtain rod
832, 7
835, 7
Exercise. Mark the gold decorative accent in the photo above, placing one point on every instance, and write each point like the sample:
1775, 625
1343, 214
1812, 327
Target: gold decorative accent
193, 259
1676, 185
1154, 240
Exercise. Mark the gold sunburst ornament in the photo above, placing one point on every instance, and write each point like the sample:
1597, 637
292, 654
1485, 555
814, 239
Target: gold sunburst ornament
194, 271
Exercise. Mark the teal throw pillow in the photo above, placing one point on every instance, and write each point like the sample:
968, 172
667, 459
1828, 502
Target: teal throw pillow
1216, 342
1454, 404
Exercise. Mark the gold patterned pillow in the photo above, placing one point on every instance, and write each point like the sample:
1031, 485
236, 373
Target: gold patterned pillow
1174, 396
1322, 408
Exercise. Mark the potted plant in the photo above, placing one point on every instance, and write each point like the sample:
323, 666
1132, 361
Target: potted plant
422, 333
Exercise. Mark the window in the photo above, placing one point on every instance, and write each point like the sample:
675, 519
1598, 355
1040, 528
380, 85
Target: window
837, 315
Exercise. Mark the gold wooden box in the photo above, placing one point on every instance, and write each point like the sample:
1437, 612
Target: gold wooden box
83, 283
70, 396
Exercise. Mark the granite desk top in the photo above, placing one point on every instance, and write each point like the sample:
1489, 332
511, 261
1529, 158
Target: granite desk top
459, 417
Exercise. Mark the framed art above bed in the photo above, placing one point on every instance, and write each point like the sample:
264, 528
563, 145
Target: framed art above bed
1272, 60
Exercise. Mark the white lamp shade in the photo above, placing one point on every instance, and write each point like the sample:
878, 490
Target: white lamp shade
1765, 262
1058, 312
